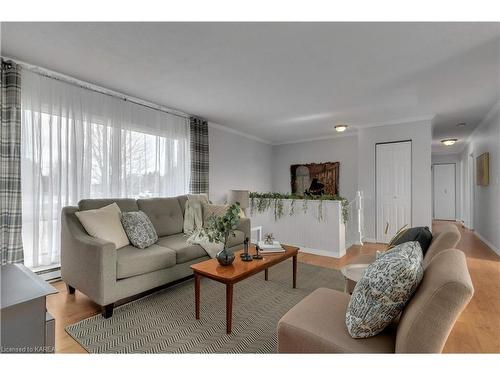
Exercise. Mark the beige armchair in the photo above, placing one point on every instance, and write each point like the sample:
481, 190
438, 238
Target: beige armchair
317, 323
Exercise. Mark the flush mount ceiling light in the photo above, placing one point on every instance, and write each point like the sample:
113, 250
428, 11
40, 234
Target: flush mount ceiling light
341, 128
449, 142
461, 124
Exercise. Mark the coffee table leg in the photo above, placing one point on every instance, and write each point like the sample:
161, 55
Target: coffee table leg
197, 294
295, 271
266, 274
229, 307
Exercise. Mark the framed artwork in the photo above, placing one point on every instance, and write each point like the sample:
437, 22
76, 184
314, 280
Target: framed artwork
315, 178
483, 169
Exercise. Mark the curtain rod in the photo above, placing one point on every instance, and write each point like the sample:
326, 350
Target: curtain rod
89, 86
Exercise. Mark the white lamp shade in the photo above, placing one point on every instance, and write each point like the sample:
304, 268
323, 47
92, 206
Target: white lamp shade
240, 196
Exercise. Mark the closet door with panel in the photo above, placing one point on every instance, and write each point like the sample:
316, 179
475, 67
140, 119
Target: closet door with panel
393, 188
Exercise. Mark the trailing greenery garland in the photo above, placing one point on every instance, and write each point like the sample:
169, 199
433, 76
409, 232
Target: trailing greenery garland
260, 202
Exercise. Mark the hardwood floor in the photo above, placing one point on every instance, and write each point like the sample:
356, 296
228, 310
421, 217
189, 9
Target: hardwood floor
476, 331
478, 327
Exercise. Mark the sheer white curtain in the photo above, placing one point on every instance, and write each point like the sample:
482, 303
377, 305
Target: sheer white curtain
77, 144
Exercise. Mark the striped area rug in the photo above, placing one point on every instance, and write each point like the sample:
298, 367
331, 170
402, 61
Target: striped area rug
164, 322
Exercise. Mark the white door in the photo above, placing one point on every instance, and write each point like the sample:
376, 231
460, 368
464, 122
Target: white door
444, 191
393, 186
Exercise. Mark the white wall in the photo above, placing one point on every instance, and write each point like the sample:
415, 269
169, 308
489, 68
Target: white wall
341, 149
420, 135
237, 162
356, 155
486, 203
240, 162
452, 159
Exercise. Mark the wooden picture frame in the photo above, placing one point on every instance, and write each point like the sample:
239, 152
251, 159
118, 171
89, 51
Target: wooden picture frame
483, 169
323, 175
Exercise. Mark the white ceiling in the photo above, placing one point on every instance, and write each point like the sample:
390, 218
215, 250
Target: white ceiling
283, 82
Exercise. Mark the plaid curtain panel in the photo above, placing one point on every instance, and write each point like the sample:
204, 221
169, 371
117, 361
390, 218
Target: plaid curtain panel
199, 156
10, 165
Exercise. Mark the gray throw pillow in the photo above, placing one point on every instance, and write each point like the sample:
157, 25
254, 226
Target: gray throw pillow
383, 291
140, 231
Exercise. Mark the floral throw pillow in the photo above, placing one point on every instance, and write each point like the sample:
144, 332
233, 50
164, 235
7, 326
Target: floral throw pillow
383, 291
140, 231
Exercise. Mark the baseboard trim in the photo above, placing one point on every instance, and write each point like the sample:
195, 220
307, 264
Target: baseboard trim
367, 239
488, 243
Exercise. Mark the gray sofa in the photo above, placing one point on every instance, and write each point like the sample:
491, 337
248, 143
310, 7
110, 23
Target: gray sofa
107, 275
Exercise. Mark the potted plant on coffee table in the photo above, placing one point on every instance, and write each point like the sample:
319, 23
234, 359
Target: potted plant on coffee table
220, 228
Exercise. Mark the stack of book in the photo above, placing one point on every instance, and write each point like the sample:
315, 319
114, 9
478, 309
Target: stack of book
267, 248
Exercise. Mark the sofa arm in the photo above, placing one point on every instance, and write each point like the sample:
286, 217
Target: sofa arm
446, 238
244, 226
87, 263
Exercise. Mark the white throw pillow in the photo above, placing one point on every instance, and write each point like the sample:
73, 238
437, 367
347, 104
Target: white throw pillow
104, 223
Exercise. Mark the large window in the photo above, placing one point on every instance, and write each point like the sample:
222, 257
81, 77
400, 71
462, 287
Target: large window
79, 144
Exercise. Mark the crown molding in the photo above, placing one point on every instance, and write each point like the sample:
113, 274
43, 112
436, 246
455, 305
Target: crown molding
400, 121
237, 132
494, 109
351, 133
355, 128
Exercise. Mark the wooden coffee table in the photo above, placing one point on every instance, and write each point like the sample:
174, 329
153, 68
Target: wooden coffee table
236, 272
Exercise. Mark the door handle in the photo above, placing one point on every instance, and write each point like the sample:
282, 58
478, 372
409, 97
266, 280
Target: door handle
386, 227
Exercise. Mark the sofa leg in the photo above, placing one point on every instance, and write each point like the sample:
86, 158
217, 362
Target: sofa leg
70, 289
107, 311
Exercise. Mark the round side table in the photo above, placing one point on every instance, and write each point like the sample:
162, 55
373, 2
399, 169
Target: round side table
352, 274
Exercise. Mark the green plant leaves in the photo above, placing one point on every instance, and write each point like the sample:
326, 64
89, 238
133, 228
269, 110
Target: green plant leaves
220, 228
261, 202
